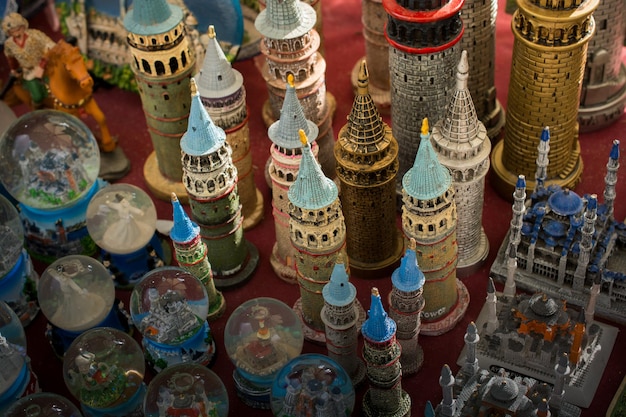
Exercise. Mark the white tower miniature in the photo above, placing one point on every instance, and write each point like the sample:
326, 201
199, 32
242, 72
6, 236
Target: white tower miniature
542, 161
470, 367
590, 310
511, 267
562, 371
586, 242
519, 199
610, 180
492, 304
448, 403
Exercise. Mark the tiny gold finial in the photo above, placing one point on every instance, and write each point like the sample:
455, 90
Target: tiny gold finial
425, 126
303, 137
375, 292
412, 244
339, 259
291, 81
211, 32
193, 87
174, 197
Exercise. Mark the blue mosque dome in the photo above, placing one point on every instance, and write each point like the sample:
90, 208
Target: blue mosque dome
565, 202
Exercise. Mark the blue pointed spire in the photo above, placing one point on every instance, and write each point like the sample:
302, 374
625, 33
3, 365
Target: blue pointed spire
311, 189
429, 411
545, 134
408, 276
202, 136
339, 291
378, 327
184, 230
428, 178
615, 150
152, 17
521, 182
592, 203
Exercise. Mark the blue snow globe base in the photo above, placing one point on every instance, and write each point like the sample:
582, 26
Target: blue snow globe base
18, 289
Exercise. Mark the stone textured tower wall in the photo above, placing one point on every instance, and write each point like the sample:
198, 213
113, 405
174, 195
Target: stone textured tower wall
405, 309
469, 196
376, 46
342, 335
384, 373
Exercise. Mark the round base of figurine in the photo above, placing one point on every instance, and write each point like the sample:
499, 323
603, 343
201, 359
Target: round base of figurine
268, 112
252, 395
504, 180
319, 336
243, 274
370, 409
378, 269
412, 366
494, 122
282, 270
132, 407
253, 215
18, 288
159, 185
380, 96
601, 115
113, 165
359, 374
468, 266
447, 323
215, 312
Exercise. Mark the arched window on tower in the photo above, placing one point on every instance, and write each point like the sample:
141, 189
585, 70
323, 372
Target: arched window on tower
183, 59
146, 66
159, 67
173, 65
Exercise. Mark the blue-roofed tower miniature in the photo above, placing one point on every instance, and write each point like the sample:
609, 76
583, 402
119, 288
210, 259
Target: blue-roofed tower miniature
191, 254
381, 351
340, 315
282, 168
318, 232
406, 302
223, 95
163, 62
210, 178
429, 216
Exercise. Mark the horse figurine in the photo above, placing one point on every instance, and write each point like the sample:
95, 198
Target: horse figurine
70, 89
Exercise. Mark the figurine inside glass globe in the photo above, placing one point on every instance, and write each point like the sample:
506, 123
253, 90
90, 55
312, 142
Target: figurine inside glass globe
43, 404
11, 236
261, 336
49, 158
312, 385
186, 389
104, 370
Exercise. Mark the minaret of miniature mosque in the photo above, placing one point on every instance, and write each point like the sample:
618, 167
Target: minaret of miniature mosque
223, 95
367, 166
381, 351
318, 232
462, 144
590, 310
562, 371
511, 268
471, 339
210, 178
406, 302
283, 166
542, 161
610, 180
340, 315
492, 308
519, 199
429, 216
289, 46
586, 242
447, 407
191, 254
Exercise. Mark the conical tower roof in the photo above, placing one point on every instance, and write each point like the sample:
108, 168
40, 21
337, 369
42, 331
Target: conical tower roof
202, 136
285, 19
614, 155
339, 291
428, 178
311, 189
408, 276
378, 327
284, 131
217, 77
184, 230
150, 17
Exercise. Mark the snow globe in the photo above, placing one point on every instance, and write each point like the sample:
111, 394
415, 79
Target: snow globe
18, 279
312, 384
169, 306
104, 369
50, 163
186, 389
43, 404
261, 336
76, 293
121, 219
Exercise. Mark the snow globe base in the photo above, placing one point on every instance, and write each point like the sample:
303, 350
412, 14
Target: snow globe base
133, 407
252, 395
18, 289
25, 384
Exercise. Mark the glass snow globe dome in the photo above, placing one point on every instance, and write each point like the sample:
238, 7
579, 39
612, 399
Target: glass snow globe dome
11, 236
104, 369
43, 404
318, 379
178, 387
50, 159
76, 293
121, 218
10, 327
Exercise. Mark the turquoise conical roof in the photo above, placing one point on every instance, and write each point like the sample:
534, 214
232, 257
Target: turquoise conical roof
184, 230
217, 77
311, 189
378, 327
408, 276
285, 19
152, 17
202, 136
428, 178
339, 291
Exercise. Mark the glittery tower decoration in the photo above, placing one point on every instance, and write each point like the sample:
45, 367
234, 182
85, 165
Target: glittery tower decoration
191, 254
318, 232
424, 50
162, 61
381, 351
406, 303
289, 46
283, 167
210, 178
223, 95
367, 166
429, 216
462, 145
549, 54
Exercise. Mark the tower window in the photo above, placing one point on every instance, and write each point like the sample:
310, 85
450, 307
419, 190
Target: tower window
159, 67
173, 65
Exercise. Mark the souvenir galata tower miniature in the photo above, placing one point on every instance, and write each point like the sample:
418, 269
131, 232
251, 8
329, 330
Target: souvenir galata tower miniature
406, 303
163, 62
603, 95
318, 232
223, 95
424, 50
549, 55
283, 167
289, 46
191, 254
463, 146
429, 216
381, 351
340, 315
367, 165
211, 181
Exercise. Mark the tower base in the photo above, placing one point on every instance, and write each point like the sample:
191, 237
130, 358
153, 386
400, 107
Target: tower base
447, 323
160, 186
378, 269
412, 366
370, 409
113, 165
494, 122
318, 336
243, 274
468, 266
217, 311
601, 113
253, 215
380, 96
282, 270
